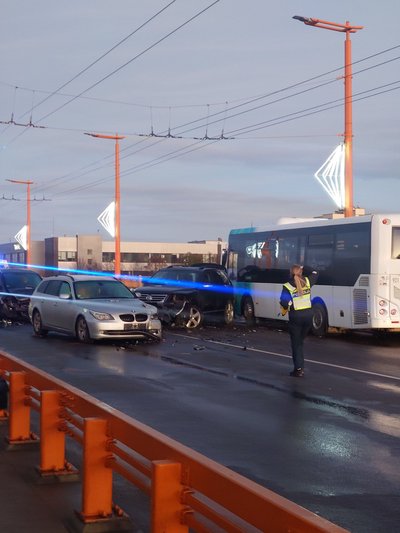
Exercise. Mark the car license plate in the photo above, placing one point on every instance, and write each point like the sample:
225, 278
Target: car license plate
130, 326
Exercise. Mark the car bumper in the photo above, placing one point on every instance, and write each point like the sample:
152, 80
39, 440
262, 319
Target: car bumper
169, 314
110, 330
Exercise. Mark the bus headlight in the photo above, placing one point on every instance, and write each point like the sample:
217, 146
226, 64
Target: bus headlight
382, 311
393, 311
382, 302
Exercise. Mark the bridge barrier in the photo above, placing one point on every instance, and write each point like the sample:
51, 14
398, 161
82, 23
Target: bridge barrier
186, 489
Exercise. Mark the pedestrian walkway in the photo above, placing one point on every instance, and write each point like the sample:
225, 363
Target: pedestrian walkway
26, 505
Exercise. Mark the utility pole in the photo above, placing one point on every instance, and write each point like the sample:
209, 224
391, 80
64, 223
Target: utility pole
28, 217
117, 238
346, 28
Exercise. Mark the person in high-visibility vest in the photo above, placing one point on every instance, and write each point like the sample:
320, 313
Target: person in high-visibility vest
296, 298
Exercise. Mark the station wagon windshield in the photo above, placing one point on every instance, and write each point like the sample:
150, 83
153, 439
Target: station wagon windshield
100, 289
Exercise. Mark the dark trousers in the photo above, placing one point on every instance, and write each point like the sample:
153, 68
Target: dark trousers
299, 326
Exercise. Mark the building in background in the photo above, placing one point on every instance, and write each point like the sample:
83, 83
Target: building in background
90, 252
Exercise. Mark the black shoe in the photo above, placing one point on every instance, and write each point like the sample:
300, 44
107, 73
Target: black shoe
297, 373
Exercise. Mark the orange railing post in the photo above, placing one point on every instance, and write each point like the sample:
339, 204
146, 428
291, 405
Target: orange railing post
167, 508
97, 477
19, 411
52, 440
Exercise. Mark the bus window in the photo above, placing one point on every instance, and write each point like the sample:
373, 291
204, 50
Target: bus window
232, 265
396, 243
319, 255
352, 256
269, 253
287, 253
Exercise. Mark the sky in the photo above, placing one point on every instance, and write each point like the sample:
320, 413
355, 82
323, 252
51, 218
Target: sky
237, 90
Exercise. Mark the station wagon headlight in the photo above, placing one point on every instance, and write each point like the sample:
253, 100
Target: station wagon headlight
101, 316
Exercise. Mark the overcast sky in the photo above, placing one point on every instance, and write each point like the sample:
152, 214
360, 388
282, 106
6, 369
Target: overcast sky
235, 70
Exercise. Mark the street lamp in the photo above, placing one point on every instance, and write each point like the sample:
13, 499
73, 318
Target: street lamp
28, 217
116, 138
348, 109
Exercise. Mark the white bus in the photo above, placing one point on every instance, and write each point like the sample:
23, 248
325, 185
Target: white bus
358, 260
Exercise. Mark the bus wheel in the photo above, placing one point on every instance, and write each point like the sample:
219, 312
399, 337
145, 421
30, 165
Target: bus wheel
319, 320
248, 310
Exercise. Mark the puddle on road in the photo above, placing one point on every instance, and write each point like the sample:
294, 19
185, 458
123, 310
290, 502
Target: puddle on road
373, 419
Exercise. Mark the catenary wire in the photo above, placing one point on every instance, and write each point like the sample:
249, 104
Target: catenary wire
122, 66
172, 155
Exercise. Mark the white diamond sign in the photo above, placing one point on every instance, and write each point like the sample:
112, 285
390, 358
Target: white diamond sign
107, 219
21, 237
331, 176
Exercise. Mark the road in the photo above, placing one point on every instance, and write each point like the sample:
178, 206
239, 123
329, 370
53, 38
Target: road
329, 441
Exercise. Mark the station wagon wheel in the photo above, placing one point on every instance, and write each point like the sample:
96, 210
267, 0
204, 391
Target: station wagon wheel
82, 330
229, 313
248, 310
38, 325
194, 319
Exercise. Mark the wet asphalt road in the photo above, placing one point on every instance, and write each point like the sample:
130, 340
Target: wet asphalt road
329, 442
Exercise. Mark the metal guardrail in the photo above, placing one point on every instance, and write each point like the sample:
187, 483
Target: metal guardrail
187, 490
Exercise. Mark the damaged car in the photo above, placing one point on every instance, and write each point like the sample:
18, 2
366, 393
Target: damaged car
186, 295
91, 307
16, 285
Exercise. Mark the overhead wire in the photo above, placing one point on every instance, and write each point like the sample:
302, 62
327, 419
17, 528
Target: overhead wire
124, 65
132, 59
195, 147
274, 92
56, 91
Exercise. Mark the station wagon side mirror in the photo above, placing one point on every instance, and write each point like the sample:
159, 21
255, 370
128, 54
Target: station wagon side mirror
65, 296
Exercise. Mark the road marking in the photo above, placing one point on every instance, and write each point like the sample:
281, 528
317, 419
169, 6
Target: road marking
258, 350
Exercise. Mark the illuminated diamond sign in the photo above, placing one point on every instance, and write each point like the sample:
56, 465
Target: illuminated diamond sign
21, 237
107, 219
331, 176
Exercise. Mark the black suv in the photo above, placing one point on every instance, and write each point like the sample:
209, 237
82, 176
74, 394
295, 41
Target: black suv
16, 285
185, 294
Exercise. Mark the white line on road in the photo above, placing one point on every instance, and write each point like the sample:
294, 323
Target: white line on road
248, 349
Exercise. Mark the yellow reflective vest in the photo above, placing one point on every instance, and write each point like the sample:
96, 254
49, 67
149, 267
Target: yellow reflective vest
300, 301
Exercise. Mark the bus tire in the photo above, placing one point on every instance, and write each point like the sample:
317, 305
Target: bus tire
248, 311
319, 325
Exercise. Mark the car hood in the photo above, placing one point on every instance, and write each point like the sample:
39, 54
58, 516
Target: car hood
119, 304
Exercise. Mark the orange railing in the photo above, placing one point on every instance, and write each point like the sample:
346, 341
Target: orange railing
187, 490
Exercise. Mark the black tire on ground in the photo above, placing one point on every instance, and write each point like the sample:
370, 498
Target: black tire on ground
229, 313
248, 310
82, 331
319, 326
195, 317
38, 325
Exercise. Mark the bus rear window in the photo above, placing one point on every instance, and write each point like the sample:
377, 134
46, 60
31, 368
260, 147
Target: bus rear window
396, 243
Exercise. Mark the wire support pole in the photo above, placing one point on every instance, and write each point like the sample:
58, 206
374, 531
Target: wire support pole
117, 265
346, 28
117, 214
348, 129
28, 218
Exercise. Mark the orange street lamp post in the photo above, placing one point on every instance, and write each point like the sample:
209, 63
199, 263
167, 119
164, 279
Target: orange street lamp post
28, 217
116, 138
348, 103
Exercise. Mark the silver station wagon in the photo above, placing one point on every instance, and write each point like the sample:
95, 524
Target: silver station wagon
91, 307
